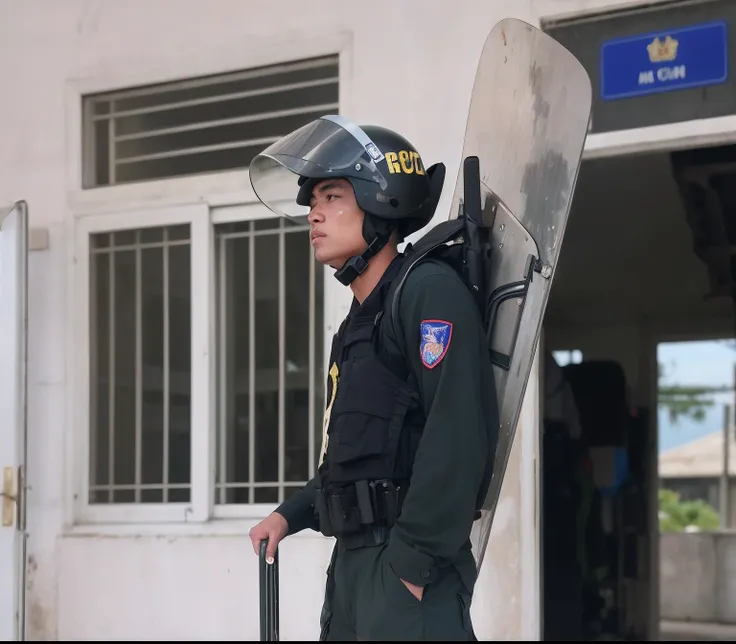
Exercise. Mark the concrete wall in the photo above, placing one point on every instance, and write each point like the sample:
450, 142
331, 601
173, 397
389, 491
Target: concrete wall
409, 66
698, 577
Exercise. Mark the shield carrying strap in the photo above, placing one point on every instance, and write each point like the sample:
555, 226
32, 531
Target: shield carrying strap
441, 237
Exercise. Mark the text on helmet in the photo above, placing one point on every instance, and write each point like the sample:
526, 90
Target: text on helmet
404, 162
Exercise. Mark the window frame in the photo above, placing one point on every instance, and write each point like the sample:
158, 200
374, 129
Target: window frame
197, 215
202, 507
203, 201
218, 188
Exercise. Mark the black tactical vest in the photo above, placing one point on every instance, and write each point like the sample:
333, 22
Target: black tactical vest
374, 422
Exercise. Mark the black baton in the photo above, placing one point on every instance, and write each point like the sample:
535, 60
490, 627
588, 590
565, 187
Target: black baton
269, 583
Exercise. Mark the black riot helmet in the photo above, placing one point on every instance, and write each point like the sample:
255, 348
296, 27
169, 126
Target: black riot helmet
391, 184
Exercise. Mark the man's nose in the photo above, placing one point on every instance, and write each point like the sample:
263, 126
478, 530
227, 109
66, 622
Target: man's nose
315, 215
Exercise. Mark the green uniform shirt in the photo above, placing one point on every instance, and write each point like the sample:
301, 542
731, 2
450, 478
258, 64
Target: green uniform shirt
438, 319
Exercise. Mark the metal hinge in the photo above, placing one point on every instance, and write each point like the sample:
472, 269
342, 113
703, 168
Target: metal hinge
10, 495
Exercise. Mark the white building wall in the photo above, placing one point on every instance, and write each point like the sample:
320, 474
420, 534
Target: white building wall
408, 65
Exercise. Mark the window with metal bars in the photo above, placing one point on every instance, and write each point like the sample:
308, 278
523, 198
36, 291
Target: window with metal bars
270, 383
270, 375
140, 308
201, 125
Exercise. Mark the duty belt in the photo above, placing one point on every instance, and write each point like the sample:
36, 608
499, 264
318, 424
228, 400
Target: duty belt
356, 506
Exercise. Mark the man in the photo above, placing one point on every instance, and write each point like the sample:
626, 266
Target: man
411, 421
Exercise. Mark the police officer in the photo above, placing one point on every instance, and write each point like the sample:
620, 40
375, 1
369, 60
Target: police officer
411, 421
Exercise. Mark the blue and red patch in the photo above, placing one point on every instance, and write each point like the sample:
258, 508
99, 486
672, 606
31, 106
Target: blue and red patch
435, 341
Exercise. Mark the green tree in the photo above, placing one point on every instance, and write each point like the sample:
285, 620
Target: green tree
686, 401
676, 515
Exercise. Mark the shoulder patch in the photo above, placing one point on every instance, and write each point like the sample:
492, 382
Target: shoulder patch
435, 341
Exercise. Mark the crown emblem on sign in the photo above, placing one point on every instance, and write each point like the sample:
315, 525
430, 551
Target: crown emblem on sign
660, 51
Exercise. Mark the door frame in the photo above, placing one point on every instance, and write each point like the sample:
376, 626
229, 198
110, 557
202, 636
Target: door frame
14, 475
643, 140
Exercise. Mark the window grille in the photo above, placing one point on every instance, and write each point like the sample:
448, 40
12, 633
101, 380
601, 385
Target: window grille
140, 354
201, 125
270, 382
270, 375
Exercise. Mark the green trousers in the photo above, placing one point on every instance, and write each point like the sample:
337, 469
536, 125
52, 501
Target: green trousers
366, 600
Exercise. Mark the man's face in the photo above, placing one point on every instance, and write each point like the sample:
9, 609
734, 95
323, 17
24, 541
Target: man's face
336, 223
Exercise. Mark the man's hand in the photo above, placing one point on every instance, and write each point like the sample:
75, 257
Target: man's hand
274, 528
417, 591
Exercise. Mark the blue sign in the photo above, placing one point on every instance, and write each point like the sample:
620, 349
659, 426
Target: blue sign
664, 61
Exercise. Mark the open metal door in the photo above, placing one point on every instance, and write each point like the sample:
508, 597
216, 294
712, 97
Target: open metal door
13, 387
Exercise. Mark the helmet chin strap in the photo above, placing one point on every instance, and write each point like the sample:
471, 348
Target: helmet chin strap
376, 233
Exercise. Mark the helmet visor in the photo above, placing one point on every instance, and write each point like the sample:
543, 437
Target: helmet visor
326, 148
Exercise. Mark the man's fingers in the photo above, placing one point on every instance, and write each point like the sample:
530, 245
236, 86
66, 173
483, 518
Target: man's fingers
256, 536
271, 534
271, 549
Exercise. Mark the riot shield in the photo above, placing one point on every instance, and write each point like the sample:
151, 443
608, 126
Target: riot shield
527, 124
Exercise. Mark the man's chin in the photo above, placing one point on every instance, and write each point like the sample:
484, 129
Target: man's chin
329, 260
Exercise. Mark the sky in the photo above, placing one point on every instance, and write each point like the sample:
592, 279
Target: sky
696, 363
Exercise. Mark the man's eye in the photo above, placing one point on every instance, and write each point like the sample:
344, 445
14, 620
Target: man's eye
330, 197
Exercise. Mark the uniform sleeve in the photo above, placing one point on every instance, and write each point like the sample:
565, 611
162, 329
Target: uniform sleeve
447, 349
298, 509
